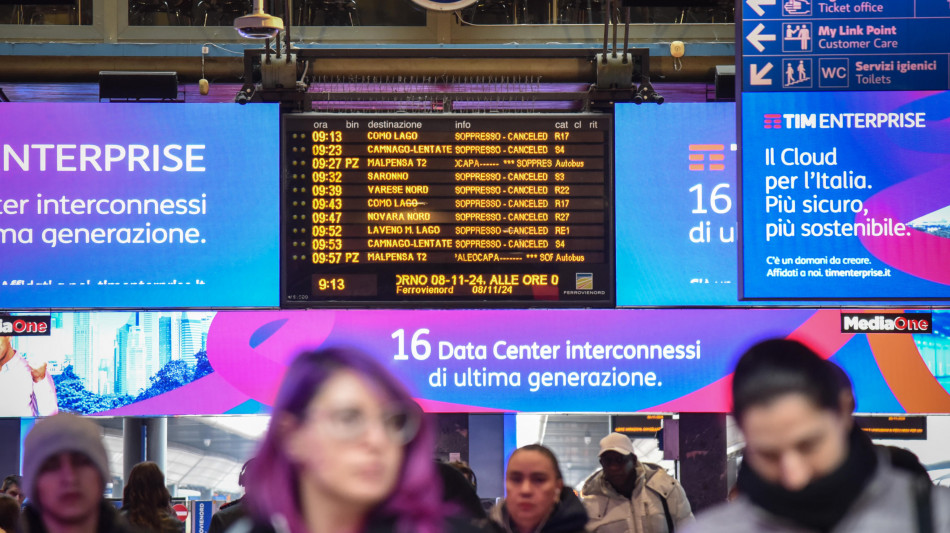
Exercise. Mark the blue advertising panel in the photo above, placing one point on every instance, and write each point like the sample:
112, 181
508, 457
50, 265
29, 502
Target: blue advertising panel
676, 215
677, 243
846, 195
162, 205
866, 45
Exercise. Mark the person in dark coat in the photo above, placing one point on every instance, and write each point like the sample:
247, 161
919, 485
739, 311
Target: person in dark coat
458, 490
65, 468
231, 512
538, 501
807, 467
9, 513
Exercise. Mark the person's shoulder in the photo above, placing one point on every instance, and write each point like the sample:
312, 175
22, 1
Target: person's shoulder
655, 470
18, 361
171, 524
891, 484
112, 520
246, 524
232, 511
30, 520
659, 480
942, 492
454, 524
733, 517
230, 504
450, 524
593, 484
940, 499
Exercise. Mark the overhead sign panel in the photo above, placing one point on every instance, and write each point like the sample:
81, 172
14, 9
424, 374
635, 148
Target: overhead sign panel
844, 149
841, 45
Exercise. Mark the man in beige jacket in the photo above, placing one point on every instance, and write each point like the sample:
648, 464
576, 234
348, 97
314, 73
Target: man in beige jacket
629, 496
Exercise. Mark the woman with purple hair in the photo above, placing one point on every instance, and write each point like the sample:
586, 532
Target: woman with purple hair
347, 451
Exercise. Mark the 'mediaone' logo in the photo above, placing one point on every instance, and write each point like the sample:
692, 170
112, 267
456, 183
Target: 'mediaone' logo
26, 326
886, 323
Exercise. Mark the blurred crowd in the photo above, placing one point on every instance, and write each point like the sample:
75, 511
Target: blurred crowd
349, 451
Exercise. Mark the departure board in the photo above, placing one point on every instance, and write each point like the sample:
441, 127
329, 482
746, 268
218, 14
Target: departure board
467, 209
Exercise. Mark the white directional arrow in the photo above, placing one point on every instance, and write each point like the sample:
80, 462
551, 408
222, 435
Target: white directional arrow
756, 5
756, 37
757, 77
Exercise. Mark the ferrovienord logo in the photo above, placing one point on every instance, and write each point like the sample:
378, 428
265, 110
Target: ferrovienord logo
583, 281
886, 323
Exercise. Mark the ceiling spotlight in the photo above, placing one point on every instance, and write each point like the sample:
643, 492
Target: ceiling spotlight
258, 25
444, 5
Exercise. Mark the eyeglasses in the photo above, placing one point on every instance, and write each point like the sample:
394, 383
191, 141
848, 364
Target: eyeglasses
611, 459
400, 425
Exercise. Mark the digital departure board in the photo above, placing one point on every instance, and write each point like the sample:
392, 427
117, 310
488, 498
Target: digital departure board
447, 209
893, 427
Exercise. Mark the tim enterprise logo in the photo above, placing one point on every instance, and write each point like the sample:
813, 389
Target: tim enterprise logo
831, 121
886, 323
25, 326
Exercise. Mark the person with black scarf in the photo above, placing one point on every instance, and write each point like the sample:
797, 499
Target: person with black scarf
807, 467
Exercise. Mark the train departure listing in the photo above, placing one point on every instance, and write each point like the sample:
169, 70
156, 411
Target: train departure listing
447, 209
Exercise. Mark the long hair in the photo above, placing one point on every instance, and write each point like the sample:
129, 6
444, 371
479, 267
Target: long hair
145, 497
272, 479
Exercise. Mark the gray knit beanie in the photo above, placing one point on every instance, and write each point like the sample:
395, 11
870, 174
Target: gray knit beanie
59, 433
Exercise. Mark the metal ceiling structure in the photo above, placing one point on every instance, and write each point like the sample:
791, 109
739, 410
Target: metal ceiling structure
205, 454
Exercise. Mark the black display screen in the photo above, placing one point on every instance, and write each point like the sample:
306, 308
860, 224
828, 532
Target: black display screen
510, 210
894, 427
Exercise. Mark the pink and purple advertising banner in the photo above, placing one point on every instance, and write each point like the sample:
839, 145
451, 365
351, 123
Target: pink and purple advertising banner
163, 363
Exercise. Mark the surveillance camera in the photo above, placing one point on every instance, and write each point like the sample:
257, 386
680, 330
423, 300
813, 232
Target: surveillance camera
258, 25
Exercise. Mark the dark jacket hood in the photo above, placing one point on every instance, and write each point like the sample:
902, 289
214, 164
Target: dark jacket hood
568, 517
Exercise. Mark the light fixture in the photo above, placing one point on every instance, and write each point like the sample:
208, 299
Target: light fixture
444, 5
258, 25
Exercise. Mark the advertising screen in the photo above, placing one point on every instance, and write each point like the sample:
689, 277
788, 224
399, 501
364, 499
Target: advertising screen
677, 242
675, 204
454, 209
572, 361
144, 206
